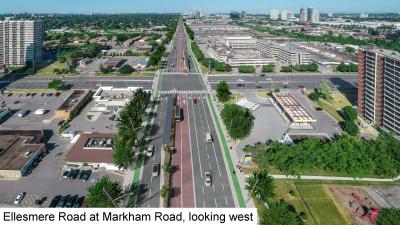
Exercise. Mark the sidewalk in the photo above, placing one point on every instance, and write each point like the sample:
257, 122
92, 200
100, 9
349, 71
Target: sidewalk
305, 177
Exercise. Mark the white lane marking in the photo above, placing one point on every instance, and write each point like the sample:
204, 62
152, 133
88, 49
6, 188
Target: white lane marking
202, 188
216, 204
197, 141
226, 201
150, 193
204, 204
215, 153
213, 187
223, 187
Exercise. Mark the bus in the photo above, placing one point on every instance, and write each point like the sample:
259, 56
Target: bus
178, 114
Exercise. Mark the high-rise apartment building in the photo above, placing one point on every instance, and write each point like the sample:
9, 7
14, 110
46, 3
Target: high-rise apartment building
378, 89
21, 41
303, 15
312, 15
274, 14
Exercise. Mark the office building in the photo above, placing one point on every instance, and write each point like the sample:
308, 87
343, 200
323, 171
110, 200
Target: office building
303, 15
21, 41
246, 42
378, 78
285, 15
285, 53
274, 14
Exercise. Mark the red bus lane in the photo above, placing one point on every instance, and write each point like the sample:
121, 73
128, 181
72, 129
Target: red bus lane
182, 178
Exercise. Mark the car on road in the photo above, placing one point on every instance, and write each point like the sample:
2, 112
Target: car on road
19, 198
209, 138
86, 175
57, 94
63, 201
9, 94
195, 101
28, 94
79, 202
240, 85
54, 201
71, 201
207, 180
150, 150
156, 169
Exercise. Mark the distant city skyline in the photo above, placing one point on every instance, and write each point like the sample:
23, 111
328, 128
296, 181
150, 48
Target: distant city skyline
210, 6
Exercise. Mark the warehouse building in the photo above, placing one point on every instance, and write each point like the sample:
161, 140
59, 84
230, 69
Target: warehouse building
285, 53
73, 104
292, 109
20, 152
93, 150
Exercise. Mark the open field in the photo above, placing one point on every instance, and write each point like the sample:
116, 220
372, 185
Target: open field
48, 70
264, 93
312, 200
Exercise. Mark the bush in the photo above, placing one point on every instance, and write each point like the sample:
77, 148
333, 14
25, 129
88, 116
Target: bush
105, 70
350, 127
347, 68
268, 68
314, 96
247, 69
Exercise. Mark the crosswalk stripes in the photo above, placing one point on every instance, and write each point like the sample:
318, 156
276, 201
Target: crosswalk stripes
184, 92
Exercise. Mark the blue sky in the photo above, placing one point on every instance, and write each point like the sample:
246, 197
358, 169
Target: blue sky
211, 6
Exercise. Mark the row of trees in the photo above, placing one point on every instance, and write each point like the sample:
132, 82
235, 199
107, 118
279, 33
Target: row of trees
347, 68
346, 155
189, 32
129, 123
312, 67
156, 55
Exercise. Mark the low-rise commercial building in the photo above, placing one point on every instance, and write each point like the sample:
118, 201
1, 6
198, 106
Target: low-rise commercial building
93, 150
20, 152
114, 63
240, 42
108, 98
73, 104
292, 109
285, 53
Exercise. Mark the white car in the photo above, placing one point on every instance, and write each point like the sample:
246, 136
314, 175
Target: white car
19, 198
150, 150
208, 179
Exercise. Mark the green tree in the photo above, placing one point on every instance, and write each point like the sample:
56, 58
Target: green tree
126, 69
350, 49
223, 92
238, 121
388, 216
97, 197
123, 154
324, 90
105, 70
280, 214
260, 186
268, 68
165, 192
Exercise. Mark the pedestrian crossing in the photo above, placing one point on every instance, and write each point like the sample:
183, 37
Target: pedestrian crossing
184, 92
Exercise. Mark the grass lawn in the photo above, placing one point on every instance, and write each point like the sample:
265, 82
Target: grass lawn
312, 200
48, 70
264, 93
234, 98
339, 100
320, 205
332, 111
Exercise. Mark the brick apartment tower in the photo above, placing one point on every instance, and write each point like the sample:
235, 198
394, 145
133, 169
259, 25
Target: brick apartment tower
379, 87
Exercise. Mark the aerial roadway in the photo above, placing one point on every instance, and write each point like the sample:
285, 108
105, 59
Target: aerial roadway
200, 177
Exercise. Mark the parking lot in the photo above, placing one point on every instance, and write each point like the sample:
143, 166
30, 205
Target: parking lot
46, 179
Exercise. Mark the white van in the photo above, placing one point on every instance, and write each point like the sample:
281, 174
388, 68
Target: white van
209, 138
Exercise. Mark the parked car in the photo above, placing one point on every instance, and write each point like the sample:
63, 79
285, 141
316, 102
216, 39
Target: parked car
86, 175
19, 198
28, 94
195, 101
40, 201
43, 94
58, 94
71, 201
63, 201
74, 174
81, 174
66, 174
54, 201
33, 94
9, 94
78, 203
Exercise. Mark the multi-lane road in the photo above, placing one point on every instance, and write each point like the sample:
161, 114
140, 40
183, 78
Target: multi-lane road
193, 157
